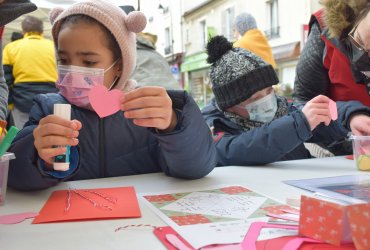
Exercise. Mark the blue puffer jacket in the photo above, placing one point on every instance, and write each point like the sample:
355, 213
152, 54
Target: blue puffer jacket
281, 139
114, 146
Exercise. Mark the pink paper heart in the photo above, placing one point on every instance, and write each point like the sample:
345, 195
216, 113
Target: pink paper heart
105, 102
16, 218
333, 110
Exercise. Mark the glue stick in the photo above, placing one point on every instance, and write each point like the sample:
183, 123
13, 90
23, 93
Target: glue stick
61, 162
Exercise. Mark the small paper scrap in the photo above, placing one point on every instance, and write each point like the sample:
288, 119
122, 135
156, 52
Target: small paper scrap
16, 218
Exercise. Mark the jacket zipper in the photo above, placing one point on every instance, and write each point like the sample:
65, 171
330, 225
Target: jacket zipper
101, 149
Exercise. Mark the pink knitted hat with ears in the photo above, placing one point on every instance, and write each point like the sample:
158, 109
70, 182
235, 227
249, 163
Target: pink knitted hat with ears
122, 26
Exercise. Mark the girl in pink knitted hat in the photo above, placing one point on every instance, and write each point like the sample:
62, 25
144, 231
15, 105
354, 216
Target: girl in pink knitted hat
155, 130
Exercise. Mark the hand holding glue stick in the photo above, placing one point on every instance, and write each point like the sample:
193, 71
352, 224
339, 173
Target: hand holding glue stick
52, 136
61, 162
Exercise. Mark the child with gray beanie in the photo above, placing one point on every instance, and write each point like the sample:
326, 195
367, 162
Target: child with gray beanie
249, 120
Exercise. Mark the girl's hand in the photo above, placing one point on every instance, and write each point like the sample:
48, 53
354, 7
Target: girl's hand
149, 107
55, 131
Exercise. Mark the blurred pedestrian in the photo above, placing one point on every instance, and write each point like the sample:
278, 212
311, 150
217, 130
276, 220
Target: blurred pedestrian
30, 68
249, 37
9, 10
152, 69
16, 36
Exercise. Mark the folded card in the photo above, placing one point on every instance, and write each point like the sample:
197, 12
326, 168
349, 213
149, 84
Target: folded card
89, 204
335, 223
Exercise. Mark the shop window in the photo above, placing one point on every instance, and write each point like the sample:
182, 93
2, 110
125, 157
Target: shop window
228, 17
273, 19
167, 41
203, 34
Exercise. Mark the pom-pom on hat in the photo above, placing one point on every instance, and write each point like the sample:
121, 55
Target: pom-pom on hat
235, 73
122, 26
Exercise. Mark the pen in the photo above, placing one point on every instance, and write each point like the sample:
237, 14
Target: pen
5, 144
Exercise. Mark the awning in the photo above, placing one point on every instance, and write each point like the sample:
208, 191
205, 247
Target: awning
286, 52
195, 62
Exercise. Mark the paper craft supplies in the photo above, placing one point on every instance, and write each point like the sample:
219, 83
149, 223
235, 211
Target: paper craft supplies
361, 151
217, 215
67, 205
104, 102
4, 168
335, 223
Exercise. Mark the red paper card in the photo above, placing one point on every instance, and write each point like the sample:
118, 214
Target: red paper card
126, 205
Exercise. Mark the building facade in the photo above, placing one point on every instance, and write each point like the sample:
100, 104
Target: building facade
184, 27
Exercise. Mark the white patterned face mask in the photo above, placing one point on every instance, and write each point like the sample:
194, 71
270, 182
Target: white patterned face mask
75, 82
264, 109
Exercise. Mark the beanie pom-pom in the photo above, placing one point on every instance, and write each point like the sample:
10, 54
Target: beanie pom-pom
217, 46
54, 13
136, 21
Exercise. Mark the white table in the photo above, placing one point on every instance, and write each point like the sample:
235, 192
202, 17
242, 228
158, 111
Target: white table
100, 234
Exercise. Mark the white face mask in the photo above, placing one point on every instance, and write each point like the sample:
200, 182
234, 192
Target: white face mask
264, 109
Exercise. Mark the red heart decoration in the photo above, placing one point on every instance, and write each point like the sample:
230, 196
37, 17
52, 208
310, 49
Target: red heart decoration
105, 102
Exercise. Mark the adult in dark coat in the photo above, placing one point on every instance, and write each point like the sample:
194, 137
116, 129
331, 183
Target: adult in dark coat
335, 61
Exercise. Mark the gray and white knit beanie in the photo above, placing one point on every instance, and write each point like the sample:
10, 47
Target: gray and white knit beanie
244, 22
235, 73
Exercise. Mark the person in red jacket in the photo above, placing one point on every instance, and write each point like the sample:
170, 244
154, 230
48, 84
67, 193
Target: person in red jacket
335, 61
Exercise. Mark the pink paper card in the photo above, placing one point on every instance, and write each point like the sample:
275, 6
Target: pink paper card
104, 102
161, 233
125, 206
16, 218
250, 239
333, 110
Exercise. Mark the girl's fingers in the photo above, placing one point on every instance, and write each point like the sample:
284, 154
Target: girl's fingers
56, 129
320, 99
147, 113
145, 102
51, 141
48, 154
144, 91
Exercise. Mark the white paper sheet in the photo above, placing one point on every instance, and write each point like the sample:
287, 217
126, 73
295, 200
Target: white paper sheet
237, 210
222, 205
